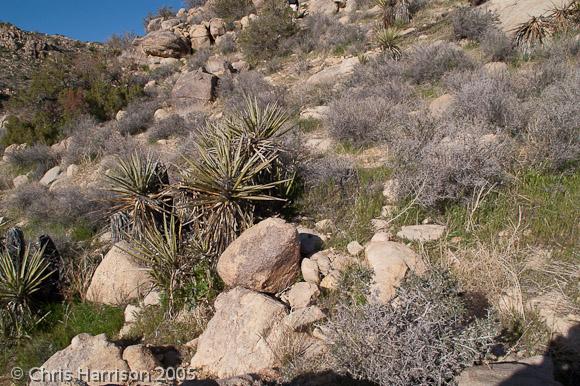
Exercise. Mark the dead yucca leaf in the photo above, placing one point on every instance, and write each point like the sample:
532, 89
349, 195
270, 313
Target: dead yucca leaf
534, 31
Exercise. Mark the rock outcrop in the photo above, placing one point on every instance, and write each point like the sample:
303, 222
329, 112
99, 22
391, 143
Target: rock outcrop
164, 44
194, 88
265, 258
242, 336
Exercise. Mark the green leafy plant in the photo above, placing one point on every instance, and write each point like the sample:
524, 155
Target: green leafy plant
388, 39
20, 280
138, 186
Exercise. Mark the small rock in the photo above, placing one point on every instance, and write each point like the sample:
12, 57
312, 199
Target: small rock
325, 225
71, 170
379, 224
323, 261
341, 262
140, 358
390, 190
302, 294
304, 317
240, 66
310, 271
330, 281
153, 298
20, 180
422, 233
50, 176
354, 248
381, 236
120, 115
132, 313
439, 106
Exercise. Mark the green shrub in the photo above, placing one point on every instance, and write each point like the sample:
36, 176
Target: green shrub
267, 36
231, 10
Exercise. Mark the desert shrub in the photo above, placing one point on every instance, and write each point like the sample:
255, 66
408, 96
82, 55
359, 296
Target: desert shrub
38, 158
362, 121
472, 23
429, 63
227, 44
266, 37
496, 45
94, 142
251, 84
195, 3
388, 41
118, 43
442, 163
531, 83
327, 170
326, 34
198, 59
68, 206
244, 148
488, 98
554, 125
173, 125
231, 10
427, 338
163, 72
138, 117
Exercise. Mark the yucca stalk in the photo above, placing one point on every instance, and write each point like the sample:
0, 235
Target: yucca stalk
534, 31
388, 8
387, 39
20, 280
138, 185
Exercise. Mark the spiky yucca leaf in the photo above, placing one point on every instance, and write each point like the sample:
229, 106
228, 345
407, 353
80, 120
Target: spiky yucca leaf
258, 123
388, 39
138, 185
225, 182
534, 31
20, 280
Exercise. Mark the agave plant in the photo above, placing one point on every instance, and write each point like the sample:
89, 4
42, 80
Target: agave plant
388, 39
138, 186
20, 280
534, 31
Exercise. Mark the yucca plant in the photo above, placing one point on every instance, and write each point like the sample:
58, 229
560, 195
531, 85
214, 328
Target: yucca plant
172, 262
565, 17
225, 183
388, 10
534, 31
20, 280
388, 39
138, 185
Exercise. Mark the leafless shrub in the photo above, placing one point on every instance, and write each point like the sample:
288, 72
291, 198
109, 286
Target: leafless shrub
488, 98
163, 72
38, 158
138, 117
326, 34
66, 205
425, 337
429, 63
532, 82
331, 169
496, 45
226, 44
91, 143
234, 90
555, 124
472, 23
447, 162
173, 125
198, 59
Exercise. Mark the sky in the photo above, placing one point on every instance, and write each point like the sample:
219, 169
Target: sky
86, 20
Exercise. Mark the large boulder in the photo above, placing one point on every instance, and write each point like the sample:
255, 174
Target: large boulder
50, 176
536, 371
200, 37
85, 352
119, 278
334, 73
390, 262
194, 87
514, 12
164, 44
264, 258
242, 336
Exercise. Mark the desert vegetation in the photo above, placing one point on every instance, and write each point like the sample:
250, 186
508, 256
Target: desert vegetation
316, 136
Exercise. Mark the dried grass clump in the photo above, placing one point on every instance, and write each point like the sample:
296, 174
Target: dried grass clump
424, 337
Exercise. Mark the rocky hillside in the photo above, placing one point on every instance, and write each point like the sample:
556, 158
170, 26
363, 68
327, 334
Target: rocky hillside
22, 51
342, 193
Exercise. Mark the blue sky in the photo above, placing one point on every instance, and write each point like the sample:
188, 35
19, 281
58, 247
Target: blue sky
87, 20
